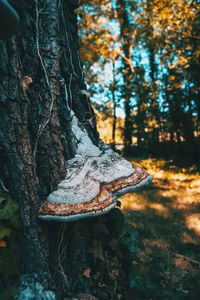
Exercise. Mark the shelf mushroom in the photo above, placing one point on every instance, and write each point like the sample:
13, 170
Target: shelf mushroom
96, 177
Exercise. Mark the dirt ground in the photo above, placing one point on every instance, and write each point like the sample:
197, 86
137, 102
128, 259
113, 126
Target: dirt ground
167, 218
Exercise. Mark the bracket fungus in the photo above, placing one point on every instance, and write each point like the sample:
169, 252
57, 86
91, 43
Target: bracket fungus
96, 177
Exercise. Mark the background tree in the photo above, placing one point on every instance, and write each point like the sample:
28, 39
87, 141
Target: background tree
127, 69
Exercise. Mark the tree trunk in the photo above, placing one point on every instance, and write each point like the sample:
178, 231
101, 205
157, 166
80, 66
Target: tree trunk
41, 80
114, 104
125, 32
154, 105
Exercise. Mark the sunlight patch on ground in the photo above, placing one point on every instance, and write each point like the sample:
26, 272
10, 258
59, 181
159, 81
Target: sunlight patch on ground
179, 189
196, 183
133, 206
134, 201
138, 202
193, 222
157, 174
166, 215
161, 209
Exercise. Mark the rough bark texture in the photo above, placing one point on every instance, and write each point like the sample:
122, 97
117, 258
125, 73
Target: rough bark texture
35, 142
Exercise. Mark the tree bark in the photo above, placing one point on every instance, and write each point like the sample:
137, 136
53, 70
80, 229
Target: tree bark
125, 32
113, 88
41, 80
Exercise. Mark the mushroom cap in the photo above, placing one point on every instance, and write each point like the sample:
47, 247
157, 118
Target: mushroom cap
96, 177
90, 198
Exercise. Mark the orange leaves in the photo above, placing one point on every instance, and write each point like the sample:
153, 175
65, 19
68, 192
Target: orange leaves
87, 273
3, 244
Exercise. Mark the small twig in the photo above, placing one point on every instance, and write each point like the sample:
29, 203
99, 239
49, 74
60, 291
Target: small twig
77, 234
42, 126
70, 92
79, 62
187, 258
129, 62
67, 98
59, 257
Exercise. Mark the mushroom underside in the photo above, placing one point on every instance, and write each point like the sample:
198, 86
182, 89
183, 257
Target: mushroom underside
102, 203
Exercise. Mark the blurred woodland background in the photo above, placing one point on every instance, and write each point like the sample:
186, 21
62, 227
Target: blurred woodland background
142, 65
141, 60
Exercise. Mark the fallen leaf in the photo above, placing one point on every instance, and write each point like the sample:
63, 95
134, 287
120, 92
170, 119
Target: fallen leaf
87, 273
2, 244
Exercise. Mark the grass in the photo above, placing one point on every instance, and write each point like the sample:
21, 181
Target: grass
167, 217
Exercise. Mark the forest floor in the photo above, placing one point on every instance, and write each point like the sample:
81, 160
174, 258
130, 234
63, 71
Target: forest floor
167, 218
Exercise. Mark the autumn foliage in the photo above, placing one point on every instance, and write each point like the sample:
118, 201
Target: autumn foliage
144, 58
